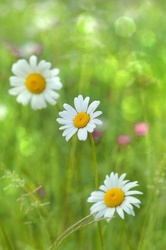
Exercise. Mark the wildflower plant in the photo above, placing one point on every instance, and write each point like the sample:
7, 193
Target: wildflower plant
35, 83
114, 196
81, 119
28, 199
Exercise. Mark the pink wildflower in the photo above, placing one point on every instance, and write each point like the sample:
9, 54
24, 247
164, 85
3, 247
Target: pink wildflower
141, 129
123, 139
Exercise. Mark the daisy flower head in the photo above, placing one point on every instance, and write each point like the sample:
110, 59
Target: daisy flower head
114, 196
81, 119
35, 83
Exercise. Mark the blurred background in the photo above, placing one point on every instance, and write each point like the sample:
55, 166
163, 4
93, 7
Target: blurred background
112, 51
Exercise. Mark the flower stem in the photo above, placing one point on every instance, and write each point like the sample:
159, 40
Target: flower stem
96, 183
94, 161
127, 234
69, 176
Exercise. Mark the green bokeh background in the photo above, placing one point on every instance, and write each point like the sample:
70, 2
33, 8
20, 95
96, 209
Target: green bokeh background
112, 51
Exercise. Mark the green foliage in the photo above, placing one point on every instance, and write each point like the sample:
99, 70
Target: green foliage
44, 180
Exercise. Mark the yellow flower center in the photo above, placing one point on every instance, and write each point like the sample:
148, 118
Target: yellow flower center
81, 120
114, 197
35, 83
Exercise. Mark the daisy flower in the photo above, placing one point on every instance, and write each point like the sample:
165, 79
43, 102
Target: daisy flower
81, 119
114, 196
35, 83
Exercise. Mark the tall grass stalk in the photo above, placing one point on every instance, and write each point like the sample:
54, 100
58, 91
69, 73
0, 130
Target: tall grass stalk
7, 240
147, 215
81, 223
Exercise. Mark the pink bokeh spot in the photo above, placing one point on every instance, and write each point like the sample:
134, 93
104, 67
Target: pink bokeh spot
97, 134
141, 128
123, 139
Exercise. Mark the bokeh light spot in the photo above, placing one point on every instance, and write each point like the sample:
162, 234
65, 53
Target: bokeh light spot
125, 26
3, 112
122, 78
86, 24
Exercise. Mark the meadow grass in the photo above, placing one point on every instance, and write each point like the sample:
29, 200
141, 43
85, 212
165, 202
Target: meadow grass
44, 180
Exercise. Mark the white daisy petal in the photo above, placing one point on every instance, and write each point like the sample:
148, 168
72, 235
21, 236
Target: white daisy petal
97, 206
63, 121
96, 196
132, 212
120, 212
97, 121
16, 90
54, 83
126, 208
130, 185
136, 205
96, 114
103, 188
52, 93
43, 66
18, 71
38, 102
115, 197
100, 214
108, 183
24, 97
79, 118
70, 109
66, 115
54, 72
24, 67
33, 62
78, 103
132, 199
90, 127
85, 104
68, 131
82, 134
109, 212
49, 99
121, 178
133, 192
44, 89
71, 133
16, 81
92, 107
66, 126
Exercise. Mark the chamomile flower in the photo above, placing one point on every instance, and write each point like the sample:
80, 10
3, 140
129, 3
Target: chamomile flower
81, 119
35, 83
114, 196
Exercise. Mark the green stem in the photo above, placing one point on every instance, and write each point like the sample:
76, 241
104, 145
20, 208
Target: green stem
96, 183
127, 234
69, 176
94, 161
100, 235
